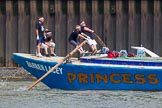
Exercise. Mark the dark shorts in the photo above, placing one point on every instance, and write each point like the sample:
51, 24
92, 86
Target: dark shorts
74, 43
41, 40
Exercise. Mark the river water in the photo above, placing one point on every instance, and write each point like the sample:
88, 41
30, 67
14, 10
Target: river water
14, 95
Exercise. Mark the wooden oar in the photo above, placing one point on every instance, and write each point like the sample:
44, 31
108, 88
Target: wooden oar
99, 40
82, 36
58, 64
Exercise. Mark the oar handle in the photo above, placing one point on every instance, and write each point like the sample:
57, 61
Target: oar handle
82, 36
85, 36
97, 37
58, 64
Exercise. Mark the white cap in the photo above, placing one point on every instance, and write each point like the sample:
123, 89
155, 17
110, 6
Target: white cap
41, 18
82, 23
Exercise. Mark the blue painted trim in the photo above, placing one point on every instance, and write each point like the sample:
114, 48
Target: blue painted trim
121, 62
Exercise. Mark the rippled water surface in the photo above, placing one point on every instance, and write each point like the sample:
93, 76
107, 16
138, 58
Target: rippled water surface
14, 95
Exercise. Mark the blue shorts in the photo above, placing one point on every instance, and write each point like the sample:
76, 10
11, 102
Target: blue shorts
41, 40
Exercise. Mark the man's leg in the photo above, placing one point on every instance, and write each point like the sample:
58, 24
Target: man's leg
52, 48
45, 47
38, 50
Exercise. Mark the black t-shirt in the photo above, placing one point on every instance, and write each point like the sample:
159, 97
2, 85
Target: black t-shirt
74, 36
40, 28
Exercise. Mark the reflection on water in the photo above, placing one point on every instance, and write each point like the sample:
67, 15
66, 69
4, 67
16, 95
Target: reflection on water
14, 95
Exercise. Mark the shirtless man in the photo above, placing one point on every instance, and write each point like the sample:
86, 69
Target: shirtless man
92, 43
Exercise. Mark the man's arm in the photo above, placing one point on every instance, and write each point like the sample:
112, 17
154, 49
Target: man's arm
83, 36
37, 34
36, 31
88, 29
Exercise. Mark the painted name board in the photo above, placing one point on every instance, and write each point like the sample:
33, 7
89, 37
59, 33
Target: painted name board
43, 67
115, 78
